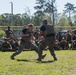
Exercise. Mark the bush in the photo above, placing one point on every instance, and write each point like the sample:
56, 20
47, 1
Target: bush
2, 33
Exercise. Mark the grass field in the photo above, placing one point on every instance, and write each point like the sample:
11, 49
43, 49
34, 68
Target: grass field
26, 63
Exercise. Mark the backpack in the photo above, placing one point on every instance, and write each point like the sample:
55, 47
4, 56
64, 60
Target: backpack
49, 29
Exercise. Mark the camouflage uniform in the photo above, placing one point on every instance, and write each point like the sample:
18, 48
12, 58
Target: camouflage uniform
9, 32
25, 41
64, 44
6, 46
49, 37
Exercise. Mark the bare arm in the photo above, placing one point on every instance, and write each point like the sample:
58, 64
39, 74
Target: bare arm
41, 33
32, 37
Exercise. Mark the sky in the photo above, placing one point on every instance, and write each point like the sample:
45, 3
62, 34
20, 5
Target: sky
21, 6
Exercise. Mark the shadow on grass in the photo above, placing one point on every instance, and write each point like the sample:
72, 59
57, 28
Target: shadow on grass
46, 61
24, 60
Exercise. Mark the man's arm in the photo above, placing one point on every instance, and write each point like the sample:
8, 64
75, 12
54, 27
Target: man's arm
32, 37
42, 30
22, 34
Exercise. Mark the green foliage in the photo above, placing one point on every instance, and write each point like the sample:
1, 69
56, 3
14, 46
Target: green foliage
69, 9
26, 63
74, 17
46, 7
63, 20
18, 19
2, 33
25, 18
44, 10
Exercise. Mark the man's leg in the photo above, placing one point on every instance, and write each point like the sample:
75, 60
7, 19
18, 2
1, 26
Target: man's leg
51, 49
51, 46
22, 43
35, 47
42, 46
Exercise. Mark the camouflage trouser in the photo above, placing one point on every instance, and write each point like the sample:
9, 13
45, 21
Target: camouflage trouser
24, 44
5, 49
48, 41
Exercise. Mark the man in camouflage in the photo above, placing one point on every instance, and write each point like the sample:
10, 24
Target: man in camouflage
6, 46
26, 37
9, 32
47, 31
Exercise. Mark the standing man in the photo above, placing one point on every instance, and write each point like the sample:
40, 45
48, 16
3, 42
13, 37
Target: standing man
9, 32
47, 31
26, 37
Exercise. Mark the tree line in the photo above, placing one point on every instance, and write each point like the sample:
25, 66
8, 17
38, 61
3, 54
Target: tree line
44, 9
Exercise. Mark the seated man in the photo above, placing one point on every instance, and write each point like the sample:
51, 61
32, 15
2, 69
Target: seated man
74, 45
64, 44
57, 45
6, 45
13, 42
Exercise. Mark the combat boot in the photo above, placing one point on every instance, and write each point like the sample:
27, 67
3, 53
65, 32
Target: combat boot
12, 58
39, 59
55, 58
43, 56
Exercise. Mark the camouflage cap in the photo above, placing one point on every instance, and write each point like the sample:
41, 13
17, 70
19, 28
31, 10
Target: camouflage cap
30, 24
